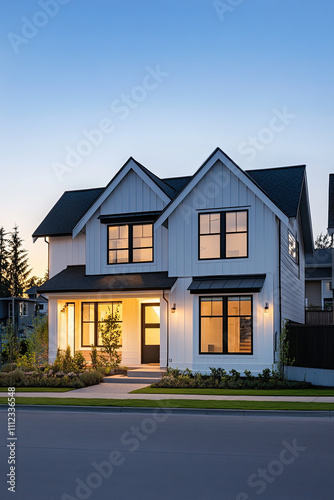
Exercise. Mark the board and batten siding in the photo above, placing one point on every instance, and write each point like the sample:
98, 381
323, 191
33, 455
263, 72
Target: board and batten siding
210, 195
65, 251
292, 276
132, 195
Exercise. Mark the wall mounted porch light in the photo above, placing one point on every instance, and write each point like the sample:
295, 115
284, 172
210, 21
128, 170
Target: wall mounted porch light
173, 308
266, 307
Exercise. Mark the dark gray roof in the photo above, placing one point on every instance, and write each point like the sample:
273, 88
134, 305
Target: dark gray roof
166, 188
319, 265
177, 183
67, 212
283, 185
318, 273
244, 284
321, 257
331, 202
74, 279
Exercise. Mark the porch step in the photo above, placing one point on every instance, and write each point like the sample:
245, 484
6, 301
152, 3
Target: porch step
123, 379
156, 373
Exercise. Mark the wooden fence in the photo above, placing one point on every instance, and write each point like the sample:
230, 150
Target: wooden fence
312, 346
319, 317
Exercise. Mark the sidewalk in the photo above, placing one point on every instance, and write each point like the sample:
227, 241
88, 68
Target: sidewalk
121, 391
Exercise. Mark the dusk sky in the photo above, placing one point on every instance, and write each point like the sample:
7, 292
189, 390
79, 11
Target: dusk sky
167, 81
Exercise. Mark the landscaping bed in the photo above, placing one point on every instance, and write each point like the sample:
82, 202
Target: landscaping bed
220, 379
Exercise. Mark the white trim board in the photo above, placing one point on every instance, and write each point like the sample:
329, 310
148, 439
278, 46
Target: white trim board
219, 155
129, 165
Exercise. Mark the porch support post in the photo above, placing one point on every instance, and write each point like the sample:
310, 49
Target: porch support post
53, 329
163, 332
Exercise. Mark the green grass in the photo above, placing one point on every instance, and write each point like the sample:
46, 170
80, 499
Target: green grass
176, 403
38, 389
238, 392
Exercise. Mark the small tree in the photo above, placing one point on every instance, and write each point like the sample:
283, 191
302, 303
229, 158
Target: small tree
38, 342
18, 264
4, 264
283, 351
323, 241
10, 345
111, 331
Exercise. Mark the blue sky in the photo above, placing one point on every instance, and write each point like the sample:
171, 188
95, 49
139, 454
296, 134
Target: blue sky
254, 77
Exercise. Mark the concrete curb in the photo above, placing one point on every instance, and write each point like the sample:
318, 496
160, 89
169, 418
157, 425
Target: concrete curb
175, 411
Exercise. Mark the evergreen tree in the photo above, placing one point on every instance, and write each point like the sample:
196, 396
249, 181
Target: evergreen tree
323, 241
4, 264
18, 264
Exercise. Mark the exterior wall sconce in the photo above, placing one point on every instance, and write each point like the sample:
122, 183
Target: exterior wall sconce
173, 308
266, 307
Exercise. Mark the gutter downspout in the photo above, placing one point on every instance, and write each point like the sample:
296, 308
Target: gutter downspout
167, 302
279, 277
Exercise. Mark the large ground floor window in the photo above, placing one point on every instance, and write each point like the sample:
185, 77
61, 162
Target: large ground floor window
226, 325
93, 315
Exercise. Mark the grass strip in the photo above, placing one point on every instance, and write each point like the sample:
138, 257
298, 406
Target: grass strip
176, 403
38, 389
237, 392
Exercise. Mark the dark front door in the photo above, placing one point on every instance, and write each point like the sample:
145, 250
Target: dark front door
150, 333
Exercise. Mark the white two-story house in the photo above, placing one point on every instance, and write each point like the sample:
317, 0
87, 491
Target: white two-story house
202, 269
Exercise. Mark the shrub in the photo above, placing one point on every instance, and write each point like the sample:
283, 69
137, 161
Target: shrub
79, 361
91, 378
217, 373
248, 375
94, 357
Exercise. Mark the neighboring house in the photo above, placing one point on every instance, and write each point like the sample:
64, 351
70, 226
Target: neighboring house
319, 271
318, 277
24, 313
41, 302
203, 269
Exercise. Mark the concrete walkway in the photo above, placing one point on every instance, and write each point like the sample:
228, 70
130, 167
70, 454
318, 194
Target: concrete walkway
121, 391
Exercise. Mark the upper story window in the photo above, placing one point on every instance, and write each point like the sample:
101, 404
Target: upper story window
223, 235
130, 243
293, 247
23, 309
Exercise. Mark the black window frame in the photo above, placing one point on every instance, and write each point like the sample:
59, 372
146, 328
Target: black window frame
130, 246
96, 321
223, 234
294, 259
225, 326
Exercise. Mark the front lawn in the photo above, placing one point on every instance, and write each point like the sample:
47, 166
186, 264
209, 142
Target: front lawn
38, 389
238, 392
176, 403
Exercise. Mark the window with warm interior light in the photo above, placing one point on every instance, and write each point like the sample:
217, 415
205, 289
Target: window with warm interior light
293, 247
93, 316
130, 243
226, 325
223, 235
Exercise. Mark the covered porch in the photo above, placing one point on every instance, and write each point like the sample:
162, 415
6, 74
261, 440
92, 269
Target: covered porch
78, 305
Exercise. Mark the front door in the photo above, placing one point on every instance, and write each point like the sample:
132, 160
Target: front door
150, 333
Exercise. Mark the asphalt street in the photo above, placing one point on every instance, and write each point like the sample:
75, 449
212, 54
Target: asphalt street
81, 455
